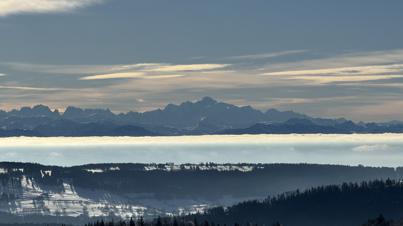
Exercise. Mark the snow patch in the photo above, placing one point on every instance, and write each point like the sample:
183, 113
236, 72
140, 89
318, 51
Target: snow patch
95, 170
46, 173
18, 170
3, 171
216, 167
150, 168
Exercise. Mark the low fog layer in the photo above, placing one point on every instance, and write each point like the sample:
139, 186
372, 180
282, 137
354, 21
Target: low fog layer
371, 149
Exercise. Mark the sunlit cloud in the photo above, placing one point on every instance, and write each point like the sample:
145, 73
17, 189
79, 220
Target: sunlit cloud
114, 76
119, 71
359, 70
2, 75
128, 75
343, 74
9, 7
112, 69
188, 67
162, 76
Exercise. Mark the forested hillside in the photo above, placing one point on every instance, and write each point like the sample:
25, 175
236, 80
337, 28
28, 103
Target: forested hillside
349, 204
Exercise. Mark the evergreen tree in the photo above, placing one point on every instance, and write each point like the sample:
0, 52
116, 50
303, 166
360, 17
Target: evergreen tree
159, 222
131, 222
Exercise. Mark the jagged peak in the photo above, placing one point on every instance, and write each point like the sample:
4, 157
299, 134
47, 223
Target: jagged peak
272, 110
41, 106
207, 100
72, 109
170, 106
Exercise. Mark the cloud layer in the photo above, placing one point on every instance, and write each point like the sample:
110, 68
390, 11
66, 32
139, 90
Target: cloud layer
9, 7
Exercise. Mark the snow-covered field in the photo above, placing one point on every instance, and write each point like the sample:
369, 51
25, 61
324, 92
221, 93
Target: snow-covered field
32, 199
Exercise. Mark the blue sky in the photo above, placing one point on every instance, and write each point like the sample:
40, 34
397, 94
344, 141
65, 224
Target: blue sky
325, 58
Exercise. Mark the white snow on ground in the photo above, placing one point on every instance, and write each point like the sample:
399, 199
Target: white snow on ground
28, 197
46, 173
218, 167
112, 168
95, 170
31, 199
18, 170
150, 168
66, 200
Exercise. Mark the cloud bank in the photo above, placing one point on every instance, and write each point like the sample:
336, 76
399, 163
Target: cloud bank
10, 7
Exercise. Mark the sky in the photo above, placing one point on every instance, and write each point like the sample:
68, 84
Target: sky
324, 58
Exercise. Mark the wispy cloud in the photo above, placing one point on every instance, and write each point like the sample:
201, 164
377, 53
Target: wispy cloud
113, 69
114, 76
2, 74
343, 74
9, 7
267, 55
152, 71
344, 78
163, 76
361, 59
358, 67
125, 75
351, 71
120, 71
28, 88
188, 67
78, 69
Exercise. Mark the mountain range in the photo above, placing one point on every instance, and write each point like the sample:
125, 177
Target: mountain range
206, 116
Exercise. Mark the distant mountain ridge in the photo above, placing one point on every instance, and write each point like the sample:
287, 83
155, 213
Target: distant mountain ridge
310, 126
206, 116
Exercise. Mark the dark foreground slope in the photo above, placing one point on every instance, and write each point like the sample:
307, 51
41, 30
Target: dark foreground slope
49, 193
347, 205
